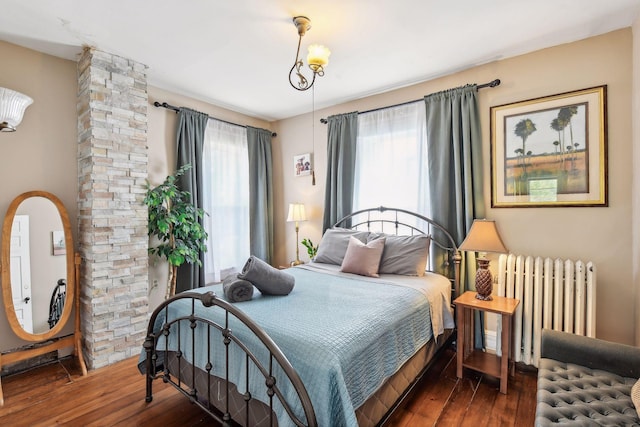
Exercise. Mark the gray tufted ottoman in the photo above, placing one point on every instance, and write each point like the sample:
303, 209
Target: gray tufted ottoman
586, 382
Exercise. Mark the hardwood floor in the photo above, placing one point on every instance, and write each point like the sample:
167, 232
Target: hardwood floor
56, 394
441, 399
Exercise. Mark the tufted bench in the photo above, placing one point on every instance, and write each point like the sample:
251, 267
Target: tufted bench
585, 381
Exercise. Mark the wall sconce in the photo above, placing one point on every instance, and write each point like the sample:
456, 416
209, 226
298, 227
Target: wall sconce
296, 214
317, 58
12, 106
483, 237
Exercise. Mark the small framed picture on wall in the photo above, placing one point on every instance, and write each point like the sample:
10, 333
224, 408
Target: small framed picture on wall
302, 164
58, 246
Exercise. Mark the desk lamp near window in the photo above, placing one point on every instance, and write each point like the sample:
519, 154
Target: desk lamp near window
483, 237
296, 214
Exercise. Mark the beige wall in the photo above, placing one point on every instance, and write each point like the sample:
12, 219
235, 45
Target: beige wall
602, 235
41, 154
635, 113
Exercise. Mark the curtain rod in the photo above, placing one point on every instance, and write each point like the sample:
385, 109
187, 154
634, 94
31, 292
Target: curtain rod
176, 109
492, 83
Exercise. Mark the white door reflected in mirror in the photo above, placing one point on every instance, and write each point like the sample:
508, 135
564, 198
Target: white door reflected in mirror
21, 272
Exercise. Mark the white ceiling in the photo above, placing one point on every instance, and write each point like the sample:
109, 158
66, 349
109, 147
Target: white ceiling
237, 53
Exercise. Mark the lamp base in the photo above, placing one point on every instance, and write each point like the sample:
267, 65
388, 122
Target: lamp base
296, 262
484, 281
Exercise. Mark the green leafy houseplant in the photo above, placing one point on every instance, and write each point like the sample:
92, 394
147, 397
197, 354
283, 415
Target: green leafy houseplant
311, 250
174, 221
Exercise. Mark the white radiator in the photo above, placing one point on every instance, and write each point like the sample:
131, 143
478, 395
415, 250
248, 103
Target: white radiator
554, 294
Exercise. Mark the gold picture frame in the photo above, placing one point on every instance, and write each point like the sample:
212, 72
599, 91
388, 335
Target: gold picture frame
550, 151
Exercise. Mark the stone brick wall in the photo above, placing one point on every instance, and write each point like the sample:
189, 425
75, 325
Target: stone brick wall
112, 218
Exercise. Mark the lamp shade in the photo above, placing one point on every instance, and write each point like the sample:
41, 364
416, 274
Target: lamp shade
296, 212
317, 55
483, 237
12, 106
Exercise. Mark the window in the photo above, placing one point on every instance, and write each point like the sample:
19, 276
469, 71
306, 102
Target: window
226, 198
391, 159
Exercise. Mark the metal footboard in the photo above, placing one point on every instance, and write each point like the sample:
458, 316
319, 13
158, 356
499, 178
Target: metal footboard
157, 365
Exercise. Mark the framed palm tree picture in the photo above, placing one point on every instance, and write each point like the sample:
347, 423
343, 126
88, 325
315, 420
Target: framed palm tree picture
550, 151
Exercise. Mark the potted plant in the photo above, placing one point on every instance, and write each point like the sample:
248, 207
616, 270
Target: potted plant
174, 221
311, 249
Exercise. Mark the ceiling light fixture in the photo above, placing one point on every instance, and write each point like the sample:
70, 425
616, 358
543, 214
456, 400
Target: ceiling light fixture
317, 58
12, 106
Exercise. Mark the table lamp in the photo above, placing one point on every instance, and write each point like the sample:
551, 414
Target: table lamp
483, 237
296, 214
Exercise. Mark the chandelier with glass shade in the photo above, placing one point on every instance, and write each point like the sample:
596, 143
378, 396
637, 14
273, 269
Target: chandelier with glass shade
317, 58
12, 107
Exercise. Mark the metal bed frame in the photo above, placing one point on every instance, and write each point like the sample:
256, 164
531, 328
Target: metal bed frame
56, 303
276, 357
157, 365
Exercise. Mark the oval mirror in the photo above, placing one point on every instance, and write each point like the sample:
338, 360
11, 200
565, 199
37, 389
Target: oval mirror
38, 280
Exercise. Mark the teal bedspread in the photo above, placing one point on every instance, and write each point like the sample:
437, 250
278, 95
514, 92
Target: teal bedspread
344, 336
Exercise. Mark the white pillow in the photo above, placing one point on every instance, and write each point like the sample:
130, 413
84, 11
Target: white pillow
334, 244
406, 255
361, 258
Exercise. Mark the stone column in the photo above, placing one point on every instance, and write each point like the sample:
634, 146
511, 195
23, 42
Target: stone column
112, 217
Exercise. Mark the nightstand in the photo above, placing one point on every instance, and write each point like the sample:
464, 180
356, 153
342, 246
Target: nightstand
478, 360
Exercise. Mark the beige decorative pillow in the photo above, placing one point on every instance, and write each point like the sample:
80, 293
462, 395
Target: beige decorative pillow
635, 395
362, 258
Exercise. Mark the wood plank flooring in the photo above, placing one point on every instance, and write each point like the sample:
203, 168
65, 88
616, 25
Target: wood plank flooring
56, 394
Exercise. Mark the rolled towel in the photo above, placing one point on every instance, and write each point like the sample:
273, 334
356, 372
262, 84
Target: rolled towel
268, 280
236, 289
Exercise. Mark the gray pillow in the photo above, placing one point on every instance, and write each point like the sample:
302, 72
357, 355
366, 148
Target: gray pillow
405, 255
362, 258
334, 244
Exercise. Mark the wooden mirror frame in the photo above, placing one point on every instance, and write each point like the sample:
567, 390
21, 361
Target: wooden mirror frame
72, 295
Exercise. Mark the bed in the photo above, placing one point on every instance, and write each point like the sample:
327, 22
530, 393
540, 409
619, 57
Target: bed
342, 349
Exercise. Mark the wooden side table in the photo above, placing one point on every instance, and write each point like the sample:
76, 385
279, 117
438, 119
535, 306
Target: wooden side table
478, 360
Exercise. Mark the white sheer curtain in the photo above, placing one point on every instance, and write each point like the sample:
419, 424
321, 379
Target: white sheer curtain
226, 198
391, 159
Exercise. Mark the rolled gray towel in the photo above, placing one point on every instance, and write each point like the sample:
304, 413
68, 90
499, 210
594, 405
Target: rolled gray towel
268, 280
236, 289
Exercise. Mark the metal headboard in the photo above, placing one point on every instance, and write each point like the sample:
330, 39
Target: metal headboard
446, 260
